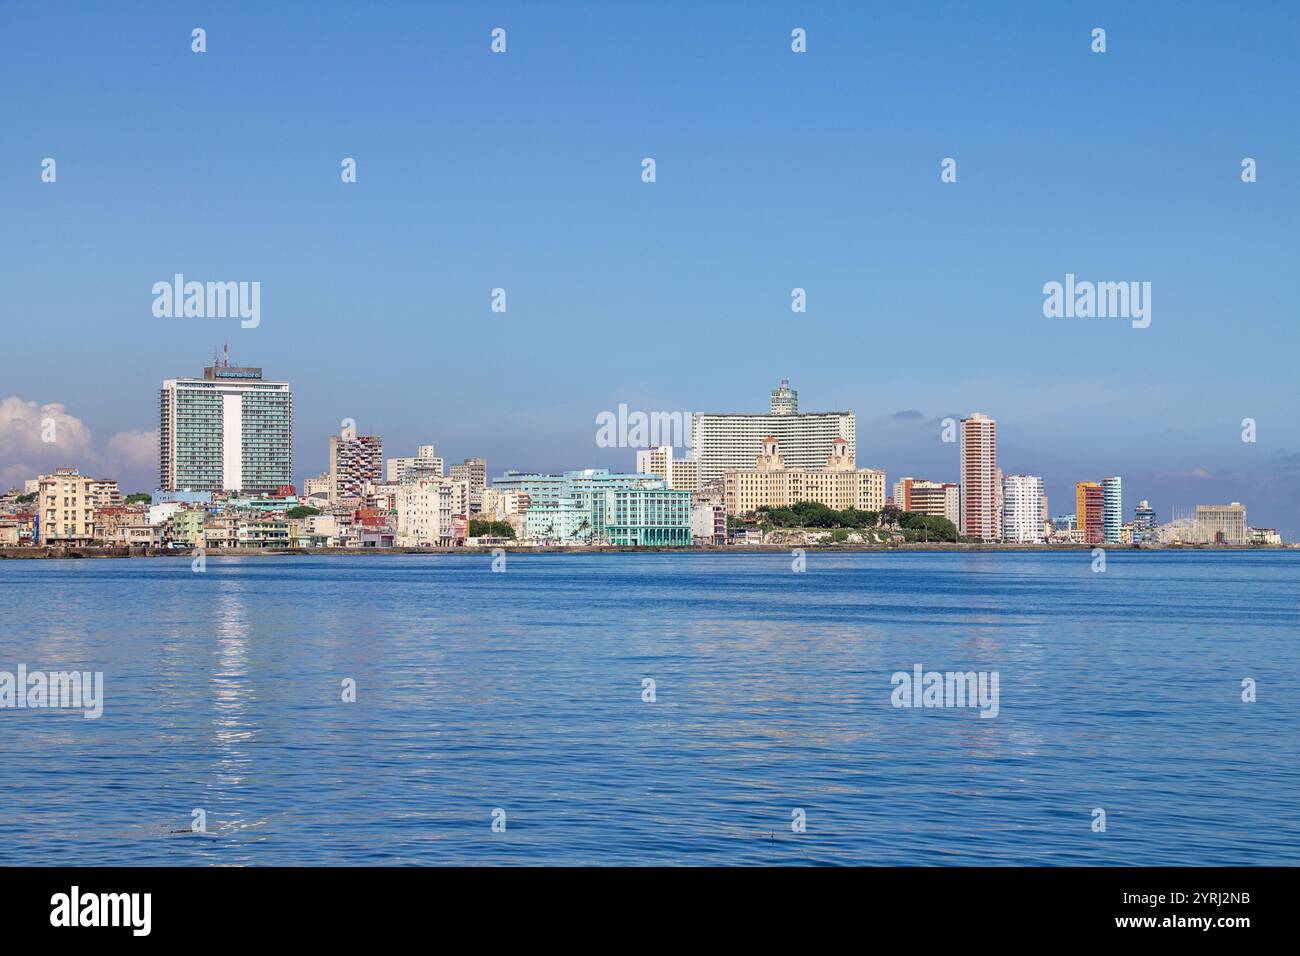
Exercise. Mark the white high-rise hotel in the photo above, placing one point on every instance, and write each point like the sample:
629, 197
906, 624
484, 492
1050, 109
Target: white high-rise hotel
1022, 509
227, 431
727, 442
981, 484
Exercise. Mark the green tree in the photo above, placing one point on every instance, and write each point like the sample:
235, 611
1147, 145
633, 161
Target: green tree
139, 498
302, 511
813, 514
919, 527
483, 528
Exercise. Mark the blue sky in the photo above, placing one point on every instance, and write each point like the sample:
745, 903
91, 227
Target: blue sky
775, 170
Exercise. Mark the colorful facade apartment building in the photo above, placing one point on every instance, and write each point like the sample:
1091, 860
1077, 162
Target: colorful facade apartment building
1089, 510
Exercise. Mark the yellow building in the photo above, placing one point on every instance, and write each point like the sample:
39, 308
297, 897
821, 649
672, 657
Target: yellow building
840, 485
67, 507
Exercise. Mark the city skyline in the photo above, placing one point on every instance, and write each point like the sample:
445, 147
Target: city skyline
973, 431
819, 172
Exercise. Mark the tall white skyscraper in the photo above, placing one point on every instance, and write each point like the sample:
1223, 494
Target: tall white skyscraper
1112, 515
726, 442
228, 431
981, 491
1022, 509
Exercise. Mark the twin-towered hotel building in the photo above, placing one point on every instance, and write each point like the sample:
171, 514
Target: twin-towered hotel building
838, 484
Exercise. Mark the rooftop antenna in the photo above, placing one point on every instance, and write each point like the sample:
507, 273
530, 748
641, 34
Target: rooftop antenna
226, 349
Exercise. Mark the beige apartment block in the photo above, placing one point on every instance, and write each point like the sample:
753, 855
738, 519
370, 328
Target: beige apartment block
419, 514
320, 485
935, 498
66, 507
499, 505
104, 493
680, 474
685, 476
418, 467
473, 471
840, 485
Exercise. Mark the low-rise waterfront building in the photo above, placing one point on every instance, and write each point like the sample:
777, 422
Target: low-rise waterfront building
111, 522
222, 530
709, 523
655, 517
618, 516
186, 527
315, 531
141, 536
264, 533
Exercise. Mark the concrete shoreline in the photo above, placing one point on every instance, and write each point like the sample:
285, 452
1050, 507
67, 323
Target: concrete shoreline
46, 553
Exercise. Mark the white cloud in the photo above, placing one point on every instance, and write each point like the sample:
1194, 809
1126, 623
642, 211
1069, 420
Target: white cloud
26, 426
133, 450
129, 456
